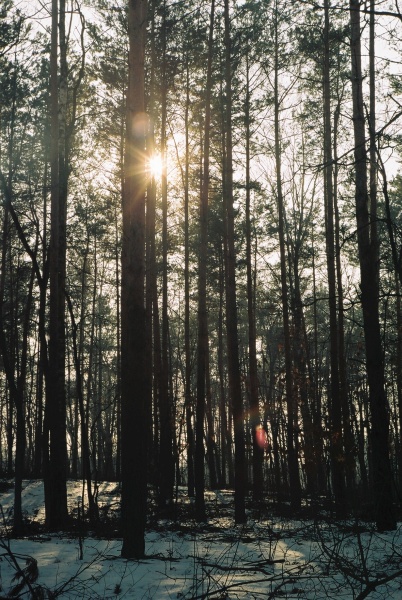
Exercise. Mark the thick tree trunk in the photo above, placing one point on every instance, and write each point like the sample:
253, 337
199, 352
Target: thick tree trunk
55, 473
133, 372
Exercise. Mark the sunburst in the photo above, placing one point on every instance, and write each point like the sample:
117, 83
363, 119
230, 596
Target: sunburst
155, 166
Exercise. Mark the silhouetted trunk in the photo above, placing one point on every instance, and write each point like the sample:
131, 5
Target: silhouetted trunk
133, 373
210, 435
187, 348
291, 423
335, 413
255, 421
202, 344
369, 277
86, 464
55, 472
227, 475
231, 305
166, 462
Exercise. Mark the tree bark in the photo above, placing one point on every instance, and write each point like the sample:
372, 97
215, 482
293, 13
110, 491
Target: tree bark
55, 474
133, 372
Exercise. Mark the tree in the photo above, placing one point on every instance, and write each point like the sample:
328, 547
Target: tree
202, 340
258, 450
134, 431
231, 303
335, 402
291, 405
369, 286
166, 462
55, 411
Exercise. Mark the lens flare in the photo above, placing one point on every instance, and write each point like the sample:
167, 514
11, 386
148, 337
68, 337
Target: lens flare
261, 437
155, 166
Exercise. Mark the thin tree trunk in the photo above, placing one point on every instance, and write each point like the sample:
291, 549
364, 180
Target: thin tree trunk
255, 421
231, 305
210, 436
291, 426
369, 272
86, 464
336, 434
202, 344
187, 348
225, 446
166, 462
350, 468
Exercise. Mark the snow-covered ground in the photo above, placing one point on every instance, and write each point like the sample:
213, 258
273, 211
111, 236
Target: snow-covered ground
267, 558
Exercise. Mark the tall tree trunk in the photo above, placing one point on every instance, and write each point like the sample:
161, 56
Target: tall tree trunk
316, 392
133, 372
350, 469
255, 421
369, 285
187, 348
56, 464
202, 343
225, 439
336, 437
231, 305
291, 424
166, 462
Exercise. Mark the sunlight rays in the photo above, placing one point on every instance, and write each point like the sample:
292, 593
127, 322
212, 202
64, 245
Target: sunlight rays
155, 166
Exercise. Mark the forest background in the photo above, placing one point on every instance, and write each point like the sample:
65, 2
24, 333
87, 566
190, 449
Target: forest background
265, 311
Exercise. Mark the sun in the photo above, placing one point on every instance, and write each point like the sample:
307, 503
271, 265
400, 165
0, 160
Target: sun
155, 166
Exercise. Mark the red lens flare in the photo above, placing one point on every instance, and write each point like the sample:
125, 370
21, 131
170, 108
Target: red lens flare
261, 437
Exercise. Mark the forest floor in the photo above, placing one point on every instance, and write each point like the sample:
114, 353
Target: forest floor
269, 557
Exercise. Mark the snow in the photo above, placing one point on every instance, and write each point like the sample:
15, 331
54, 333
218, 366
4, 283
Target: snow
266, 558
